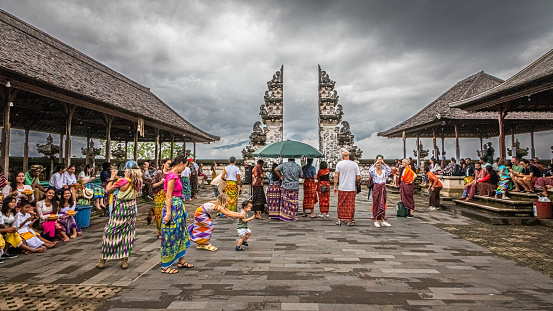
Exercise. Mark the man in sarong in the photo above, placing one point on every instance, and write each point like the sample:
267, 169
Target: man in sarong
309, 188
407, 187
348, 175
259, 200
231, 174
290, 174
472, 187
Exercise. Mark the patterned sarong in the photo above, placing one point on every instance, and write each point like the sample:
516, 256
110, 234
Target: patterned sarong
186, 191
407, 193
174, 235
97, 190
324, 197
542, 183
346, 205
202, 228
379, 202
159, 204
486, 189
259, 200
232, 192
289, 207
503, 185
68, 222
119, 232
309, 194
274, 200
468, 179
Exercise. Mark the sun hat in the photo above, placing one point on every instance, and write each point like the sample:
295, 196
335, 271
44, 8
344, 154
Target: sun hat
88, 193
36, 168
131, 165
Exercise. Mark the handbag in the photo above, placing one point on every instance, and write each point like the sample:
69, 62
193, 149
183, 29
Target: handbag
325, 188
370, 182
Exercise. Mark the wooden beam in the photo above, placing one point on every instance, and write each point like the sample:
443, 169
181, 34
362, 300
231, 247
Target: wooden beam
513, 147
26, 151
418, 151
6, 127
184, 145
69, 110
126, 150
87, 156
61, 149
194, 151
109, 121
404, 147
434, 146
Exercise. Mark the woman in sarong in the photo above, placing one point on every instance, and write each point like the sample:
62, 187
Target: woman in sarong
202, 228
185, 181
504, 181
47, 211
488, 185
258, 196
231, 173
174, 234
67, 219
309, 188
86, 177
379, 173
434, 189
407, 187
274, 194
119, 232
159, 197
323, 188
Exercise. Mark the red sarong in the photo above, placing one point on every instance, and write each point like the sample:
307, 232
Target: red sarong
407, 192
346, 205
324, 197
309, 194
379, 201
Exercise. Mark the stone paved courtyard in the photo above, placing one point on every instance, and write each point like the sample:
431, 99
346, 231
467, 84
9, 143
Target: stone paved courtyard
307, 265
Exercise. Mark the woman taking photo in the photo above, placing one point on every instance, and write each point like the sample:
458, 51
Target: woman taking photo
119, 232
379, 173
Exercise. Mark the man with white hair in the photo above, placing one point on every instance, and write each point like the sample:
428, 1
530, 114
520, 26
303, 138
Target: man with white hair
407, 187
348, 174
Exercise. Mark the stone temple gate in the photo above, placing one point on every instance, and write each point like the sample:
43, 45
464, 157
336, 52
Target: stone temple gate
334, 133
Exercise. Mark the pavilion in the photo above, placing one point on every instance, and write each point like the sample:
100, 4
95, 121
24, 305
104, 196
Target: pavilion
48, 86
529, 90
440, 120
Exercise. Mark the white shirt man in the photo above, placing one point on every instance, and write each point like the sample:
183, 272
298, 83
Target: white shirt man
348, 174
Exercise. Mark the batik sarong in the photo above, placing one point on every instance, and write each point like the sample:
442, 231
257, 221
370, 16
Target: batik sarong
379, 201
503, 186
232, 192
434, 197
324, 197
68, 222
174, 235
542, 183
274, 199
486, 189
346, 205
119, 232
309, 194
258, 200
159, 204
407, 193
289, 207
202, 228
186, 191
98, 191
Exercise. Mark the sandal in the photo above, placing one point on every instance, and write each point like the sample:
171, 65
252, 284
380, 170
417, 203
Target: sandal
169, 271
304, 215
185, 265
338, 223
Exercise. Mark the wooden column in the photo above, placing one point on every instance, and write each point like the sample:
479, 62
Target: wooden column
404, 148
69, 110
443, 146
87, 157
418, 151
126, 150
135, 151
434, 145
513, 147
502, 112
26, 151
109, 121
457, 147
172, 145
184, 145
8, 96
194, 151
157, 148
481, 144
61, 149
532, 149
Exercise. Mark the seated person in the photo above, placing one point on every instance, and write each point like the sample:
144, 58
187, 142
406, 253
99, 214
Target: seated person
66, 220
516, 167
472, 186
544, 184
470, 174
86, 177
50, 206
487, 186
537, 164
56, 181
24, 222
3, 179
31, 179
70, 181
146, 180
528, 177
17, 189
9, 232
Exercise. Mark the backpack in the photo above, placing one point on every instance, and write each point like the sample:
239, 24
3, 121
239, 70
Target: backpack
401, 210
457, 171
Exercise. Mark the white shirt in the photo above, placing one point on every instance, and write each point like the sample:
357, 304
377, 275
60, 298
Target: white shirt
380, 179
82, 176
43, 210
8, 190
69, 179
20, 218
349, 171
8, 220
232, 171
71, 207
186, 172
56, 181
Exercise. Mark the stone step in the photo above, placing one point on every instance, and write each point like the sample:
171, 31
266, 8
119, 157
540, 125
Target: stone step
489, 218
527, 196
504, 211
492, 201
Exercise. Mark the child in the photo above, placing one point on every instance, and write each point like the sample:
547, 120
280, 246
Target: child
25, 219
243, 232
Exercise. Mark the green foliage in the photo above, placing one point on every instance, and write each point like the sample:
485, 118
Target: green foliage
145, 150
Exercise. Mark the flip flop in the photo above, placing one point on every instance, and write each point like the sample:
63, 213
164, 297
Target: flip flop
185, 266
169, 271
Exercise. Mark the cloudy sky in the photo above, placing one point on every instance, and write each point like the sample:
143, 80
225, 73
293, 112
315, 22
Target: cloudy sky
210, 60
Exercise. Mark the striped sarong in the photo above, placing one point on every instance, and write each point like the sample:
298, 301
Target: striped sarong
186, 190
503, 185
202, 228
309, 194
346, 205
159, 204
289, 207
119, 232
174, 235
274, 200
232, 192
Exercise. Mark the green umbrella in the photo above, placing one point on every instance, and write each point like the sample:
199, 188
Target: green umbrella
288, 149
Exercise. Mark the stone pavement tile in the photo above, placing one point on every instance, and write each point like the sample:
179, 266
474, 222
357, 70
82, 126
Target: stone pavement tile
187, 305
299, 306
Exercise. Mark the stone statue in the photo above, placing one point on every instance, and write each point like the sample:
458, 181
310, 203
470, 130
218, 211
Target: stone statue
423, 153
262, 110
489, 153
324, 77
520, 152
340, 111
257, 127
345, 128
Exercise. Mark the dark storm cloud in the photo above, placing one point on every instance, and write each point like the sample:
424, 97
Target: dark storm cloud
210, 60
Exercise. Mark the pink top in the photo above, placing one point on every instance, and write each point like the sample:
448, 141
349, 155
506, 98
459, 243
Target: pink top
177, 191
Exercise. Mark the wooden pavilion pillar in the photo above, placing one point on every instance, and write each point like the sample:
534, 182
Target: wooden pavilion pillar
194, 151
184, 145
404, 147
26, 151
157, 149
532, 149
135, 151
457, 147
87, 156
109, 121
69, 111
513, 147
61, 149
443, 146
481, 144
172, 146
8, 96
418, 151
501, 118
126, 150
434, 146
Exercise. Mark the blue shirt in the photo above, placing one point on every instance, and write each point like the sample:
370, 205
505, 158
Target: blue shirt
291, 172
309, 171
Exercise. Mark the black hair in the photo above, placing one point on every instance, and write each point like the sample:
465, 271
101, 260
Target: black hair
60, 167
106, 166
433, 160
55, 201
426, 169
525, 161
24, 203
70, 166
323, 165
494, 177
86, 168
260, 161
165, 160
232, 160
178, 160
62, 198
13, 183
6, 205
453, 160
309, 161
245, 203
484, 159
